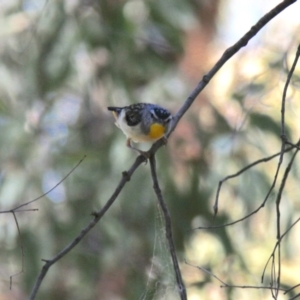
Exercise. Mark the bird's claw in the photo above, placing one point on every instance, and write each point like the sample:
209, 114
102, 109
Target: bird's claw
146, 155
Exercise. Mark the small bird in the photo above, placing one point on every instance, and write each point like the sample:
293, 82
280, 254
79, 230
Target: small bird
142, 122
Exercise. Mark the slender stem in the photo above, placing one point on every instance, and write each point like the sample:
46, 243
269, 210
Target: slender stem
168, 224
97, 217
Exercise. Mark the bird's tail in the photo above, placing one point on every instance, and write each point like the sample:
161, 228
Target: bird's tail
115, 109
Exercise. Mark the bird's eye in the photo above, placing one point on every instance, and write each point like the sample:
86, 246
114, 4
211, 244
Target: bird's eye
132, 118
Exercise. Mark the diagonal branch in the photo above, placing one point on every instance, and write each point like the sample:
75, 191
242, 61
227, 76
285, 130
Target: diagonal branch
16, 209
228, 54
231, 51
97, 217
278, 200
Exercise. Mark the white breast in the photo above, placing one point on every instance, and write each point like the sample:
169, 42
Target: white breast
132, 132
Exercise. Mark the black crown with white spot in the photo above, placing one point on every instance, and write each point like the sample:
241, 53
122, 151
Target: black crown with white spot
160, 113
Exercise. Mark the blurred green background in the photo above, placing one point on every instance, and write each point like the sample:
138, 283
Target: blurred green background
62, 63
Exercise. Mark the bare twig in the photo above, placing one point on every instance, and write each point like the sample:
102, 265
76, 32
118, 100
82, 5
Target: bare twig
16, 211
13, 211
224, 58
227, 285
275, 247
22, 251
284, 142
281, 188
53, 188
239, 173
256, 287
275, 268
168, 224
259, 161
273, 265
292, 288
295, 297
97, 217
208, 272
228, 54
253, 212
289, 77
17, 208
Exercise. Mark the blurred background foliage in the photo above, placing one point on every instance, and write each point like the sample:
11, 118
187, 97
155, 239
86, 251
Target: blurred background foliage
62, 63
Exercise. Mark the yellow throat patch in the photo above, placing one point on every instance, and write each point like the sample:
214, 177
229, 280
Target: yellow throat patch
156, 131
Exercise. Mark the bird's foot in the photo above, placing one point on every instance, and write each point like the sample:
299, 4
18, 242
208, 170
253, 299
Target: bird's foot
145, 154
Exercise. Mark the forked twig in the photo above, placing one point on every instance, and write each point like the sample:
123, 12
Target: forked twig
274, 250
231, 51
266, 159
16, 209
227, 285
284, 142
275, 268
13, 211
97, 217
259, 161
228, 54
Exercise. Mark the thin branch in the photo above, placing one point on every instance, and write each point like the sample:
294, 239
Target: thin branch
295, 297
202, 84
284, 141
231, 51
272, 259
253, 212
273, 276
228, 54
19, 210
292, 288
279, 237
240, 172
208, 272
259, 161
22, 251
289, 77
254, 287
278, 200
97, 217
276, 245
168, 224
53, 188
227, 285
